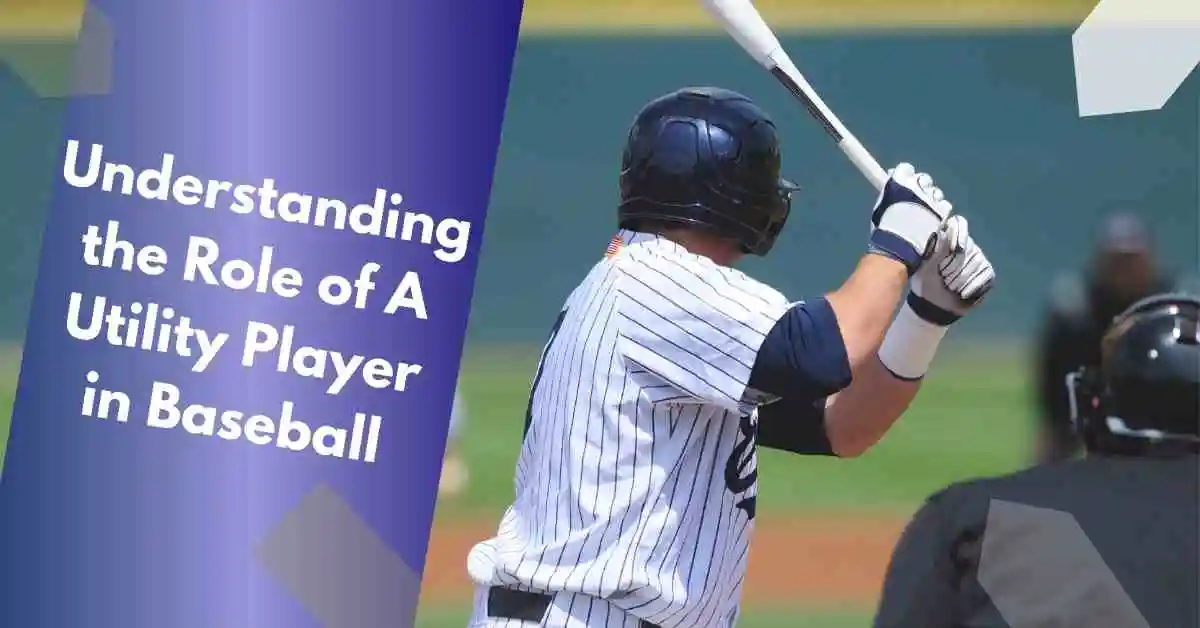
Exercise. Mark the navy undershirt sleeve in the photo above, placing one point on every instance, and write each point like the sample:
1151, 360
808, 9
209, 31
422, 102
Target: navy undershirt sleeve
803, 357
798, 428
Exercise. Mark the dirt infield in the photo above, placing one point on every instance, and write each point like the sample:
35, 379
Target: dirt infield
819, 560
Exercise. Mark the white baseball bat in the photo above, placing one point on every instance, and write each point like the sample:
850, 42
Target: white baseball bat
743, 22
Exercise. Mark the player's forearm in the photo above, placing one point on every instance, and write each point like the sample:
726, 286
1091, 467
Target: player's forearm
864, 306
883, 388
858, 417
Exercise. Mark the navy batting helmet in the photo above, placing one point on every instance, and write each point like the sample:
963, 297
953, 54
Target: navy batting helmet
707, 158
1147, 389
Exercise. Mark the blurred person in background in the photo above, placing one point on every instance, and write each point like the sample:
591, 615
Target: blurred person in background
454, 468
1123, 270
1107, 540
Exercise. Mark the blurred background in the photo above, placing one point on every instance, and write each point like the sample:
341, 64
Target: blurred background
980, 93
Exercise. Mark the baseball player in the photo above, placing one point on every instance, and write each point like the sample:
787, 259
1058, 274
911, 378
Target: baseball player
1130, 503
636, 481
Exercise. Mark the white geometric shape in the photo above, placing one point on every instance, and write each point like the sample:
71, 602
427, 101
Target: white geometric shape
1132, 55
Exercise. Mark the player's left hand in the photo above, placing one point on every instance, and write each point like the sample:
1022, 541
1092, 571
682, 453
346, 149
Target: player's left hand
908, 212
956, 278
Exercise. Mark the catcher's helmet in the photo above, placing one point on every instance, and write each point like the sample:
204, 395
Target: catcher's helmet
706, 158
1147, 389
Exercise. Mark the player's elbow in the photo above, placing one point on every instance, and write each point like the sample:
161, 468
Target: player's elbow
853, 439
859, 417
849, 443
850, 450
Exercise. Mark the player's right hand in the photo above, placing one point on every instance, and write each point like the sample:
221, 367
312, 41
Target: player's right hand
957, 277
908, 213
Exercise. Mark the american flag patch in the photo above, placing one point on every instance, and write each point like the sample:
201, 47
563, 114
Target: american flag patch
614, 246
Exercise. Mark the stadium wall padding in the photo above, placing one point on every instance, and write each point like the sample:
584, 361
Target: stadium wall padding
992, 116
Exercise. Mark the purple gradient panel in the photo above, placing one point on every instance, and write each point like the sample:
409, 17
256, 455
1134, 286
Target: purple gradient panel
121, 525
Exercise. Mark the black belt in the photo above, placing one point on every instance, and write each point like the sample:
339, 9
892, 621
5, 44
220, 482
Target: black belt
505, 603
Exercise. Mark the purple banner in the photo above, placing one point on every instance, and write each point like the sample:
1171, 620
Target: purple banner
249, 313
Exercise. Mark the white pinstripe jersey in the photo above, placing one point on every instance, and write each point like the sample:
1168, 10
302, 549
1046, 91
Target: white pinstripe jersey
636, 481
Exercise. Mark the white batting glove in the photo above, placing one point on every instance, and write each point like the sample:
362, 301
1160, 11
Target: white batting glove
907, 215
956, 279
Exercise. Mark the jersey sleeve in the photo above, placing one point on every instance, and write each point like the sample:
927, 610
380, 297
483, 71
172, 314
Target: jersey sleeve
696, 327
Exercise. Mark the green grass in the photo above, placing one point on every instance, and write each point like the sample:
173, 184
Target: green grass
971, 418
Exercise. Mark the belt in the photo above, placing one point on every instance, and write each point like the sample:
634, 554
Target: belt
505, 603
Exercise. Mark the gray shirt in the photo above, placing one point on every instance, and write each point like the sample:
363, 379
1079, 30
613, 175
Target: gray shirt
1101, 542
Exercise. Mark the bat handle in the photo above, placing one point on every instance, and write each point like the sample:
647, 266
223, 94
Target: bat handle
786, 73
863, 160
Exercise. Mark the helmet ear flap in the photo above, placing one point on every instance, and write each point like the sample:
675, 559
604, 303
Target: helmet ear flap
1088, 397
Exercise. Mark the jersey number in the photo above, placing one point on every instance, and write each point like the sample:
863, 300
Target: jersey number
537, 377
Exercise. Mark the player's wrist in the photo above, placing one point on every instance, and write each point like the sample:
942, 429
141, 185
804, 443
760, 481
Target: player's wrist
897, 247
910, 344
929, 311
